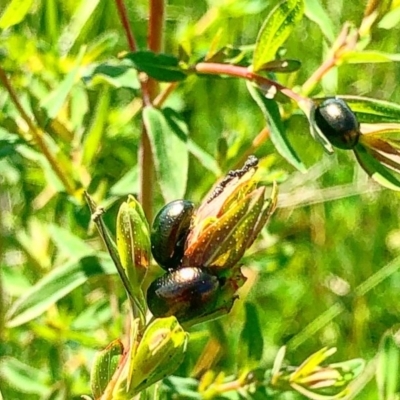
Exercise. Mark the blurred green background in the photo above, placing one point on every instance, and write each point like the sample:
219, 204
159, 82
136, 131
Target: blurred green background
334, 228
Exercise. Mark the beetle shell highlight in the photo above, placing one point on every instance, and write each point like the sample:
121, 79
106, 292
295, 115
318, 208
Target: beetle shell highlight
338, 123
185, 293
169, 232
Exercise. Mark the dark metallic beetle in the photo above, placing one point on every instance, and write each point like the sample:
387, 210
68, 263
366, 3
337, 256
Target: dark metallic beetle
338, 123
169, 232
185, 293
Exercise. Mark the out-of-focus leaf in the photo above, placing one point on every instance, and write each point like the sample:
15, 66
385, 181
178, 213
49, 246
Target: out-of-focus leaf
372, 110
100, 45
23, 377
80, 17
128, 184
368, 56
15, 13
53, 102
375, 169
14, 283
117, 76
282, 66
388, 367
162, 67
93, 317
275, 30
170, 154
104, 366
391, 19
251, 337
93, 135
185, 388
56, 285
277, 131
316, 13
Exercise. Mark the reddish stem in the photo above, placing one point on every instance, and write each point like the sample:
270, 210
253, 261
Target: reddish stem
123, 15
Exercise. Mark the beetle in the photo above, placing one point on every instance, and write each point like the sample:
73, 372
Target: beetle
338, 123
169, 232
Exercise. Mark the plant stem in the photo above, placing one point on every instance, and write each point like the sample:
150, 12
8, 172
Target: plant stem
125, 23
38, 136
242, 72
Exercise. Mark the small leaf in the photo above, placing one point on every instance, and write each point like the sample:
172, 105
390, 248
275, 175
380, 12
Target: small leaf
316, 13
375, 169
372, 110
159, 353
15, 13
368, 56
170, 153
282, 66
162, 67
115, 75
388, 367
54, 101
277, 130
104, 366
56, 285
275, 30
251, 337
391, 19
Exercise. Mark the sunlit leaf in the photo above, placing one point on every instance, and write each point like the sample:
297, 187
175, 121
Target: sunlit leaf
275, 30
15, 13
368, 56
375, 169
170, 154
277, 130
162, 67
56, 285
391, 19
372, 110
388, 368
316, 13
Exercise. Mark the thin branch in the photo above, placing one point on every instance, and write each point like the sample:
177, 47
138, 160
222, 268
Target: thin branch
125, 23
37, 135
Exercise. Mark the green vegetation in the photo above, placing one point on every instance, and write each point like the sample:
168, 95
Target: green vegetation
111, 109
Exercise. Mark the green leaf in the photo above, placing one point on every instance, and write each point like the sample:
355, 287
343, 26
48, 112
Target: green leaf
170, 153
115, 75
275, 30
388, 367
54, 101
391, 19
56, 285
368, 56
162, 67
15, 13
277, 130
94, 133
316, 13
375, 169
251, 337
372, 110
282, 66
104, 366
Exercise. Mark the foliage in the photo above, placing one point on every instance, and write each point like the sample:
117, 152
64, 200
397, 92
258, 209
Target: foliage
90, 112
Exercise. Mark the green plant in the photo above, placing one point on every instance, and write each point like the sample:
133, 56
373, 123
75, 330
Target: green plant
81, 112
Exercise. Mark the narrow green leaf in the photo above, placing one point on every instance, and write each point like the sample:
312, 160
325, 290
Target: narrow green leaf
372, 110
391, 19
104, 366
282, 66
275, 30
15, 13
23, 377
251, 337
56, 285
375, 169
162, 67
369, 56
170, 152
93, 135
388, 367
277, 130
71, 32
53, 102
316, 13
